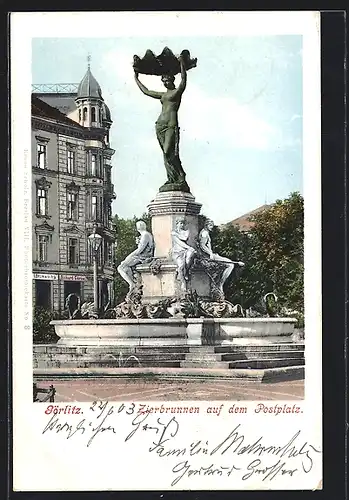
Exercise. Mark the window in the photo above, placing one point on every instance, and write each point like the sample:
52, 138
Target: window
72, 206
100, 256
43, 293
73, 251
101, 166
107, 175
84, 114
79, 115
93, 165
101, 212
72, 287
110, 253
70, 161
89, 253
42, 205
42, 247
41, 155
93, 114
105, 251
94, 207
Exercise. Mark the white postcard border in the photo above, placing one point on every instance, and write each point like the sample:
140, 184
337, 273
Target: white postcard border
28, 418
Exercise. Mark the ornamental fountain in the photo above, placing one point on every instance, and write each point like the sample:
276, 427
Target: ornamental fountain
176, 280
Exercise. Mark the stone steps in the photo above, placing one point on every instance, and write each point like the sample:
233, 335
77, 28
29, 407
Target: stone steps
107, 363
56, 349
197, 356
261, 364
185, 374
258, 348
216, 357
235, 356
222, 365
202, 349
157, 356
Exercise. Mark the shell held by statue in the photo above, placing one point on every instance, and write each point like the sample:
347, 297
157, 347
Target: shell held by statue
165, 63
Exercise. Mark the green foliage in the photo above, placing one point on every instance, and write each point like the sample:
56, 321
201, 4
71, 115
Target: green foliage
43, 332
300, 320
272, 252
126, 234
230, 242
278, 237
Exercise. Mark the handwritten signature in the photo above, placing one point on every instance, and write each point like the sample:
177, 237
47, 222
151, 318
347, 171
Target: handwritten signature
292, 455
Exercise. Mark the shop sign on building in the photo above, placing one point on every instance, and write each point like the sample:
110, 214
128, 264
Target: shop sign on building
73, 277
45, 276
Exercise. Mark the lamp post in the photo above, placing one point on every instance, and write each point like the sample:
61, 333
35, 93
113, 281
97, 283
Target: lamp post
242, 298
95, 240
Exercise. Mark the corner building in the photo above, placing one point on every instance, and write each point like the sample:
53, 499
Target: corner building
72, 193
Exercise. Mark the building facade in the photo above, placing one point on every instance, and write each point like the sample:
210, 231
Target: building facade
72, 193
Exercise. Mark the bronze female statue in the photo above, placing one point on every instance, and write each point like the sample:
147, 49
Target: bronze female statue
166, 126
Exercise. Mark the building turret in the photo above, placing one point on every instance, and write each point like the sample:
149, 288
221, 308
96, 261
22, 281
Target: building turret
89, 102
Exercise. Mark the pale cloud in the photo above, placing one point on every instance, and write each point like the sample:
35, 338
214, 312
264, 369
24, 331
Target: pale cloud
149, 144
208, 118
203, 117
118, 63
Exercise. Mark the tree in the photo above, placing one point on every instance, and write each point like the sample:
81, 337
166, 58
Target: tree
43, 332
230, 242
272, 252
126, 233
278, 240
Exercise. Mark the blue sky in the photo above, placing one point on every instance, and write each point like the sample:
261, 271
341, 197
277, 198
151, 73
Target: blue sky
240, 117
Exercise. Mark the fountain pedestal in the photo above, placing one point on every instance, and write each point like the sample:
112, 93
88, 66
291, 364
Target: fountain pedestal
159, 278
164, 210
163, 283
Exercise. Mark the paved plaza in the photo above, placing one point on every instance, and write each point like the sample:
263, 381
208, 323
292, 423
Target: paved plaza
84, 390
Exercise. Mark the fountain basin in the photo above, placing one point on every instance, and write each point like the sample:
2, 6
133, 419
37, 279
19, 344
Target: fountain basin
174, 331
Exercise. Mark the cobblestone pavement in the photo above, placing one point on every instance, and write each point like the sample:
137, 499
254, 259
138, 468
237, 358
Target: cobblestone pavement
85, 390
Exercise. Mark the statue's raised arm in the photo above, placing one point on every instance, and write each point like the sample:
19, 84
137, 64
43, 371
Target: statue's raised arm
145, 90
167, 65
183, 82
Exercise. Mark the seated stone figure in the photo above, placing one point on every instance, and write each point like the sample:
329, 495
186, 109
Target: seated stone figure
143, 253
182, 253
220, 272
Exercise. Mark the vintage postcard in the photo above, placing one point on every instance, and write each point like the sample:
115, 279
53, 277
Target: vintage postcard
166, 251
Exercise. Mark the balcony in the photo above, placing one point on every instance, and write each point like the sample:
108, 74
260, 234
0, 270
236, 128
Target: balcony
42, 263
94, 180
99, 224
94, 223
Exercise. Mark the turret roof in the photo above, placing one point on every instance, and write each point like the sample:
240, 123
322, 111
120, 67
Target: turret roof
89, 87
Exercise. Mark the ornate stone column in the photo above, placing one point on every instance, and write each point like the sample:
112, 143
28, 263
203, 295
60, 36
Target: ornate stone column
164, 210
159, 278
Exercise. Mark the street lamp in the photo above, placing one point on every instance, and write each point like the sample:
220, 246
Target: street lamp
95, 240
